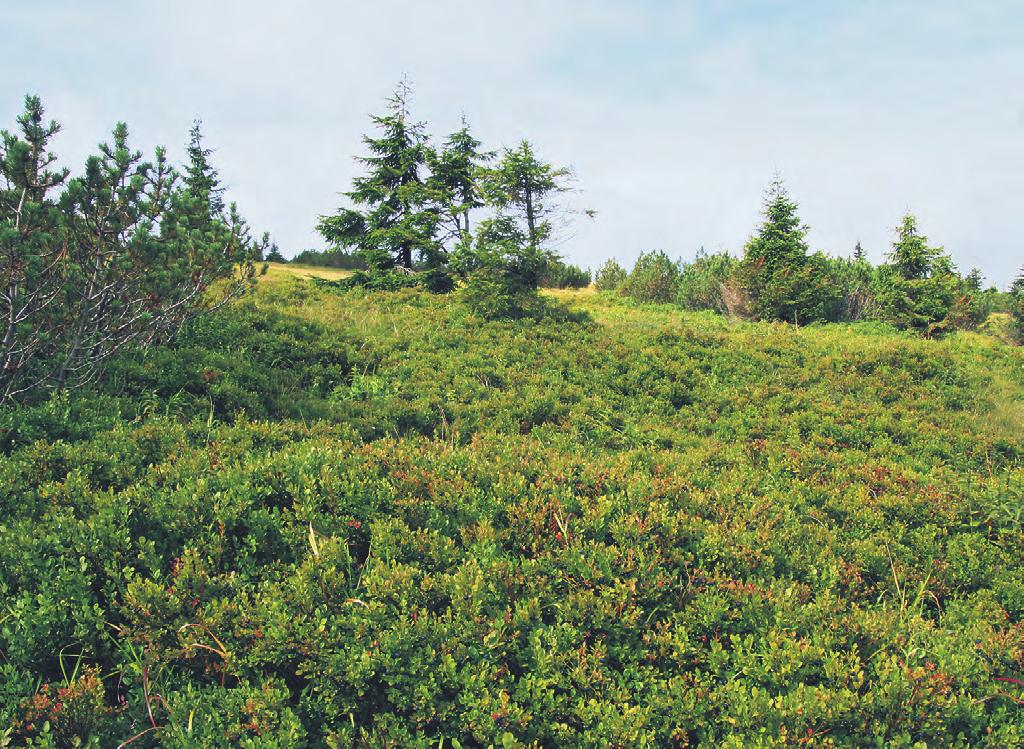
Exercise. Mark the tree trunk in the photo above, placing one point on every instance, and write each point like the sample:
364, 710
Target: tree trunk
531, 222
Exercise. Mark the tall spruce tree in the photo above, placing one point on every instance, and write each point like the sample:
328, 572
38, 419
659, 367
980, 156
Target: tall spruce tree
858, 252
918, 286
395, 218
911, 256
526, 188
454, 173
201, 179
783, 280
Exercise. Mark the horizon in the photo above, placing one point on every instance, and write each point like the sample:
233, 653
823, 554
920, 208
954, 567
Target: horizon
674, 119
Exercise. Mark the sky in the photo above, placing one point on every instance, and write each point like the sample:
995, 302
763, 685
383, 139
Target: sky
674, 115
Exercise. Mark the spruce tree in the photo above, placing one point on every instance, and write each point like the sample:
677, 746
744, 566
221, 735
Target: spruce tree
783, 281
395, 218
523, 186
918, 286
974, 280
911, 256
201, 179
781, 240
858, 252
510, 255
454, 173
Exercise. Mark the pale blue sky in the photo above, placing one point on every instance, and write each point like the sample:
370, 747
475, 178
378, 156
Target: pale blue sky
675, 115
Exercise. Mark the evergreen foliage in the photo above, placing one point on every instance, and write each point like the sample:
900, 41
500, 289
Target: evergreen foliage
505, 270
783, 281
411, 213
524, 187
31, 249
561, 275
918, 287
123, 255
395, 219
653, 279
1017, 306
333, 257
201, 179
700, 283
780, 279
610, 276
511, 255
274, 255
454, 174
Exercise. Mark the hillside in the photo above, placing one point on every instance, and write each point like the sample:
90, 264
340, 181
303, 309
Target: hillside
355, 519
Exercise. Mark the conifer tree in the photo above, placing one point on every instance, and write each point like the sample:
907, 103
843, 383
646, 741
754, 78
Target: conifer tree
858, 252
974, 280
523, 186
510, 255
781, 240
783, 281
123, 256
1017, 308
201, 179
911, 256
455, 170
31, 245
610, 276
918, 286
394, 219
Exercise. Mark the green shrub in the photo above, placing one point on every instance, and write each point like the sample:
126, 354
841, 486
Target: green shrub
256, 360
855, 280
561, 275
653, 279
610, 276
700, 282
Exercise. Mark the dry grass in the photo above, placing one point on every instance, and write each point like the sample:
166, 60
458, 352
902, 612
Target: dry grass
279, 270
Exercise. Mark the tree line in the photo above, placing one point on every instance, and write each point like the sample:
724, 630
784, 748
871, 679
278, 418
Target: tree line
408, 222
120, 255
778, 278
124, 253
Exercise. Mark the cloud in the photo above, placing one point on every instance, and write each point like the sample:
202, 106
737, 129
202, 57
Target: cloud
674, 115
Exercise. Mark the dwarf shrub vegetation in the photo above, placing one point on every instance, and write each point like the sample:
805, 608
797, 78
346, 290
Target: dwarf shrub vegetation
356, 518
